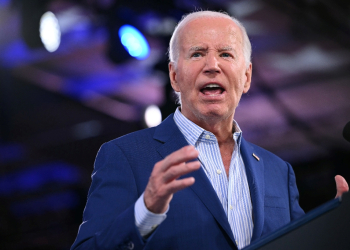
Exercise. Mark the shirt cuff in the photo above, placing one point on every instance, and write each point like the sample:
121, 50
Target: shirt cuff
145, 220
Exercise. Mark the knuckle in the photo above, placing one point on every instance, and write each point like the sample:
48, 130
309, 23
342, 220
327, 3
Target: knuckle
172, 172
152, 178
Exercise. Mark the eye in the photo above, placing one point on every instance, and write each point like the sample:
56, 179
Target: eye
226, 54
196, 54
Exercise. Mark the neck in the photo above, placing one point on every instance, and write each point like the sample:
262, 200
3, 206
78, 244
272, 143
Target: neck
221, 131
222, 128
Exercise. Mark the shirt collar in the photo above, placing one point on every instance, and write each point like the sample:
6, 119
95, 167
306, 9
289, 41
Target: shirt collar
192, 132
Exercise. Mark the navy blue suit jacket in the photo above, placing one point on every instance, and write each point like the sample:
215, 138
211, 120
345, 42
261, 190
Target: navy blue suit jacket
196, 219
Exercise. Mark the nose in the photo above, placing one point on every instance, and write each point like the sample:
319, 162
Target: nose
211, 64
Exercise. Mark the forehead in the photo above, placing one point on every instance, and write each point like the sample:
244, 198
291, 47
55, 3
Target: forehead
210, 31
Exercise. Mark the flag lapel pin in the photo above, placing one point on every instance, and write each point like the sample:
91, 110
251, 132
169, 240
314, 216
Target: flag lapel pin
256, 157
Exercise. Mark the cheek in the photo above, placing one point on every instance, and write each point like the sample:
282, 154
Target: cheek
237, 83
242, 81
187, 74
187, 80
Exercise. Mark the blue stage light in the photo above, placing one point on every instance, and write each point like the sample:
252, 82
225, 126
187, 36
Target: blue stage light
134, 42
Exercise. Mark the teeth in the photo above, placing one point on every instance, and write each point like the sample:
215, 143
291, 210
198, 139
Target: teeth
212, 86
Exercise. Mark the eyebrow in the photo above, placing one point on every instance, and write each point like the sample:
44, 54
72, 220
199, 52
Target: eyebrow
200, 48
226, 48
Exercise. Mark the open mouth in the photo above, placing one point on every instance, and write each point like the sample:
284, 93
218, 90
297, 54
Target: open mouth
212, 89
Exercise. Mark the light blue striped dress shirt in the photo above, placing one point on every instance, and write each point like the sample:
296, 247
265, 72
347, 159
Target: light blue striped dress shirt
233, 192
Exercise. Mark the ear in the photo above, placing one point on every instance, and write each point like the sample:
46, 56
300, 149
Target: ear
172, 76
248, 78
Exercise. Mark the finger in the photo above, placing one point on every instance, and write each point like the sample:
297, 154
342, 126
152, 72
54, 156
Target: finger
182, 155
158, 202
178, 185
342, 185
178, 170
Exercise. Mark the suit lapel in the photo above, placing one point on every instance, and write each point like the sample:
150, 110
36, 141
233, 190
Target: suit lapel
206, 193
255, 175
168, 133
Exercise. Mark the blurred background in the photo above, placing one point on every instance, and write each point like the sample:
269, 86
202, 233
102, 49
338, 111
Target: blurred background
73, 76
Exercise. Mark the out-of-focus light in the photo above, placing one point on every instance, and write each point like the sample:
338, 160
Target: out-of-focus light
36, 177
153, 116
4, 2
87, 129
134, 42
50, 32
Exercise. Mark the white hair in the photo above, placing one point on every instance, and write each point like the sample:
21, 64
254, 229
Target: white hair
174, 50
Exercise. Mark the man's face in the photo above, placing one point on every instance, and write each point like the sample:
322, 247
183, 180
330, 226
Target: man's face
210, 74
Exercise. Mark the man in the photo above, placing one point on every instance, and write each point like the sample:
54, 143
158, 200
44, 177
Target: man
193, 182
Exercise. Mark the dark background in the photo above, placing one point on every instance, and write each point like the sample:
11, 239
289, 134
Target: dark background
56, 109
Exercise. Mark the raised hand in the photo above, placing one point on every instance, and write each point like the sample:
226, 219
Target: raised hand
164, 182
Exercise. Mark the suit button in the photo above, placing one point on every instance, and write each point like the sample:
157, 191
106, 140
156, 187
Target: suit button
130, 245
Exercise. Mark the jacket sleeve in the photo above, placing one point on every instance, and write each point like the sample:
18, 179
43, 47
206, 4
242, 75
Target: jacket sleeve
108, 219
295, 210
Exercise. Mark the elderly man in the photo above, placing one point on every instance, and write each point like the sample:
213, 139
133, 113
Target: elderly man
192, 182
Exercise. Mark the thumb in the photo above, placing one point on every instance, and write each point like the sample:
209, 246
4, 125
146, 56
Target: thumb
342, 185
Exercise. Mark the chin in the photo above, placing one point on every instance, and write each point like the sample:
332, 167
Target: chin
215, 109
217, 113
